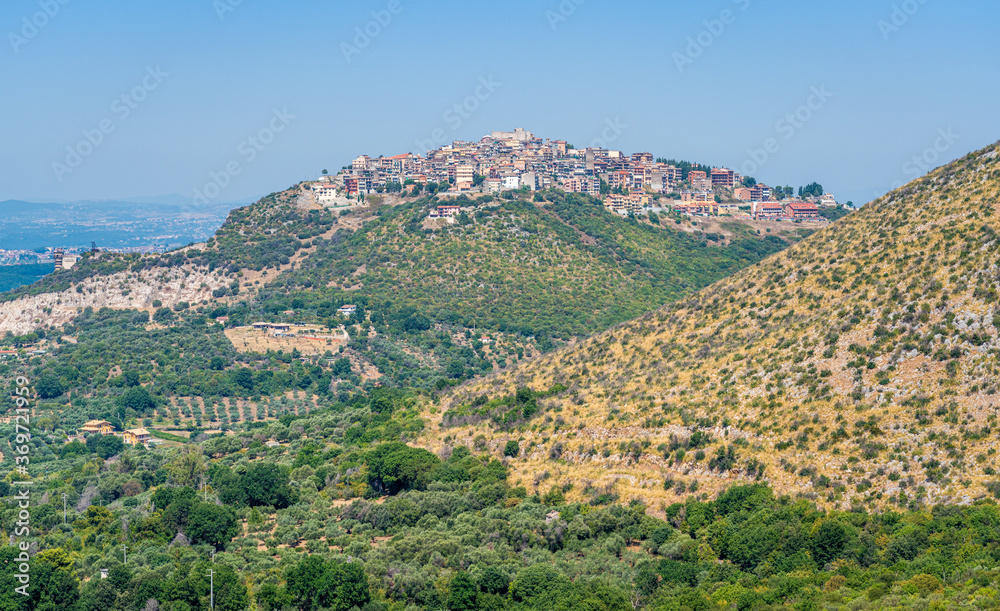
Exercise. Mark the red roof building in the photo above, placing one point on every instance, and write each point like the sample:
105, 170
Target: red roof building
801, 210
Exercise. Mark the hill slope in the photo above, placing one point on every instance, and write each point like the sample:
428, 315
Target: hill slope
438, 302
564, 267
858, 366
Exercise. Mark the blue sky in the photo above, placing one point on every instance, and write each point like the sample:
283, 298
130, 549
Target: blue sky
157, 98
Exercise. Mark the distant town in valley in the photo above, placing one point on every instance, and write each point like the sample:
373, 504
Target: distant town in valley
514, 161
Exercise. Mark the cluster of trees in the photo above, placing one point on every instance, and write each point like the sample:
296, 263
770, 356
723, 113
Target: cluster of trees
452, 531
686, 167
189, 357
14, 276
813, 189
569, 254
182, 512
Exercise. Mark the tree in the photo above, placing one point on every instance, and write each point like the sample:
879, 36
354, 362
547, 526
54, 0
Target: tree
186, 467
456, 369
342, 367
317, 584
261, 484
828, 542
163, 315
393, 467
137, 398
211, 524
534, 582
243, 378
105, 446
512, 449
49, 386
492, 581
462, 596
273, 598
813, 189
53, 585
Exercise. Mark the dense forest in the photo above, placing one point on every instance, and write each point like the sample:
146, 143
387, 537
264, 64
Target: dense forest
13, 276
341, 514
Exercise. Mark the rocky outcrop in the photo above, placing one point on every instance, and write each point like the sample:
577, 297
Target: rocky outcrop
124, 290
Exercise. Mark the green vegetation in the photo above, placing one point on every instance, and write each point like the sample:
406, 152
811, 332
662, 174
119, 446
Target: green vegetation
438, 304
565, 268
834, 214
851, 367
346, 517
13, 276
159, 363
314, 492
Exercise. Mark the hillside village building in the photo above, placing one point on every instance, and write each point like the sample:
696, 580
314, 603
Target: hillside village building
519, 160
134, 437
98, 427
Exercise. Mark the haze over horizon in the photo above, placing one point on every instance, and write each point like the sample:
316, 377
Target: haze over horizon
154, 100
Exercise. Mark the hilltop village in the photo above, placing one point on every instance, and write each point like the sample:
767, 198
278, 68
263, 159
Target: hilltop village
520, 161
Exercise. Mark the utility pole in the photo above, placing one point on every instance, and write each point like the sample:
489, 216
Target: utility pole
211, 589
64, 507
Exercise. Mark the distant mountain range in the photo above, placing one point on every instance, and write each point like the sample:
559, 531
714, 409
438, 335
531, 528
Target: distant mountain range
171, 220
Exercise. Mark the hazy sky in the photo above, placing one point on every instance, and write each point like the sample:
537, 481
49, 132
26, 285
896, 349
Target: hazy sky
106, 99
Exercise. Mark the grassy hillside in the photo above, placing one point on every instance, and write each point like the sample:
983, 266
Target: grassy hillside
857, 367
564, 267
317, 495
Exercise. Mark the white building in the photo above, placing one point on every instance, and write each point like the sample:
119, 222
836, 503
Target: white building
326, 193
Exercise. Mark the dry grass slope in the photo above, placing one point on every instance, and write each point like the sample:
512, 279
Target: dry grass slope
860, 366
